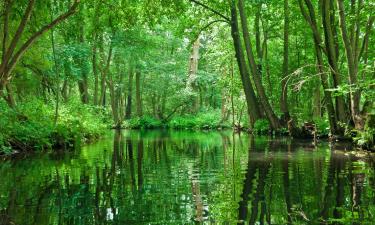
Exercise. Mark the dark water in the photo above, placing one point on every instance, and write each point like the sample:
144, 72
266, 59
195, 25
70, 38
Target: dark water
161, 177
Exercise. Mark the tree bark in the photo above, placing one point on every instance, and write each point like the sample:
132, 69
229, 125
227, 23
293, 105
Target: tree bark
138, 93
95, 72
64, 90
355, 94
104, 73
251, 100
56, 70
192, 74
332, 53
317, 113
310, 18
83, 82
128, 110
95, 38
274, 121
284, 88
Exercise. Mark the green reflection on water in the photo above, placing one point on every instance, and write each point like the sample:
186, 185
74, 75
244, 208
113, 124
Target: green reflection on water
165, 177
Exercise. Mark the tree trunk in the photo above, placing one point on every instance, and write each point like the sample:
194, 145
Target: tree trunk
317, 103
56, 70
251, 100
355, 94
192, 74
138, 93
82, 87
64, 90
275, 124
332, 55
10, 59
128, 110
284, 88
114, 105
95, 72
114, 102
232, 91
10, 98
310, 18
104, 73
83, 82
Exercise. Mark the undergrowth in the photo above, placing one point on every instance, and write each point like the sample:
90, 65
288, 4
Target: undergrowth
30, 126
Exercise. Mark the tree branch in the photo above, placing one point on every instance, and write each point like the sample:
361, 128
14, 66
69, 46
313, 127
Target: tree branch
7, 7
208, 25
38, 34
212, 10
18, 34
366, 37
311, 20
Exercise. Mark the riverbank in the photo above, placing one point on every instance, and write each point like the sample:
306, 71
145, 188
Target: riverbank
31, 127
363, 140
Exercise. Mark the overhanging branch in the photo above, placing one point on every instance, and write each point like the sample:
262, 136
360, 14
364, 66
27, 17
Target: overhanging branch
212, 10
207, 26
38, 34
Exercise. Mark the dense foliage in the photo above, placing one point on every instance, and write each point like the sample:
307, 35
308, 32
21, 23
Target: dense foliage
31, 126
257, 65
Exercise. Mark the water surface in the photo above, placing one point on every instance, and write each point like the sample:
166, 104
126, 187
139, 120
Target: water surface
165, 177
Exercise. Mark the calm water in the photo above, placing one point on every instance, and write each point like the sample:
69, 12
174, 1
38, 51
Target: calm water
163, 177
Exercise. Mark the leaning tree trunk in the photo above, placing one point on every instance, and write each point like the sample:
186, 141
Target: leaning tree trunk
332, 54
11, 57
275, 124
310, 18
251, 100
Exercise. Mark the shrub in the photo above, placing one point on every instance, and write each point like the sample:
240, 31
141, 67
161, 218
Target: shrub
202, 120
366, 138
261, 126
322, 126
30, 126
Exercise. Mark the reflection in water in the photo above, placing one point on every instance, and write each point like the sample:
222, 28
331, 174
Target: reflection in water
139, 177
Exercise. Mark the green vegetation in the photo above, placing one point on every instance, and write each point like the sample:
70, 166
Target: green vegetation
200, 121
31, 126
261, 66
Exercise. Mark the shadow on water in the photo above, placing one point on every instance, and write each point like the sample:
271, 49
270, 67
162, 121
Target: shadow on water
165, 177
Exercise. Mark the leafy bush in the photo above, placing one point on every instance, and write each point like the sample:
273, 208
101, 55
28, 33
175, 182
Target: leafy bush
322, 126
183, 122
203, 120
30, 126
366, 138
261, 126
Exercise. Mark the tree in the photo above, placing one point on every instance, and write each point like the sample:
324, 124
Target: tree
12, 54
